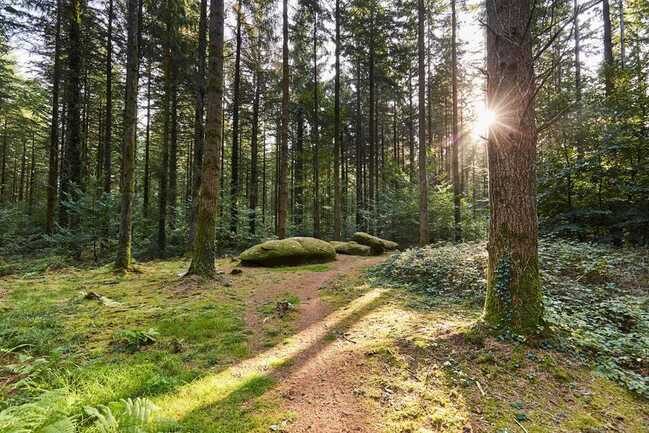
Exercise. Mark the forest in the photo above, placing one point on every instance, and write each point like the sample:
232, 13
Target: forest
324, 216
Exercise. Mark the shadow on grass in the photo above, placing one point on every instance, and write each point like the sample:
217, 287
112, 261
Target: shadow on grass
230, 400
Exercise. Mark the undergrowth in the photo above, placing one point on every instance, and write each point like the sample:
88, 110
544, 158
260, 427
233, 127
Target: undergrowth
595, 297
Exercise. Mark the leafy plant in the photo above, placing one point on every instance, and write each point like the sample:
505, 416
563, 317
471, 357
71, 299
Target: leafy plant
129, 416
50, 413
133, 340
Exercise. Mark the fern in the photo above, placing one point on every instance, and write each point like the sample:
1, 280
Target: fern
50, 413
132, 416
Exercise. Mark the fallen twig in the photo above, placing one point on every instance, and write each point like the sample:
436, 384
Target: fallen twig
521, 425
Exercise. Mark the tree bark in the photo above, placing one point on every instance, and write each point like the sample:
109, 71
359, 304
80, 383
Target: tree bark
513, 297
254, 151
299, 171
423, 182
208, 199
455, 162
3, 171
316, 129
337, 134
282, 208
147, 148
608, 49
199, 118
234, 175
108, 131
127, 178
72, 167
53, 169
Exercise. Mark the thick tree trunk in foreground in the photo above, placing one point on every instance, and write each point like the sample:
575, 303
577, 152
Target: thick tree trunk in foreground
208, 199
127, 178
423, 183
282, 208
53, 171
513, 287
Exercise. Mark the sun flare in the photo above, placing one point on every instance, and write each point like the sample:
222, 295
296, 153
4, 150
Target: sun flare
485, 120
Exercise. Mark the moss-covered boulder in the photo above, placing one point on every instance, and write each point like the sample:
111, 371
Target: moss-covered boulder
389, 245
375, 244
291, 251
351, 248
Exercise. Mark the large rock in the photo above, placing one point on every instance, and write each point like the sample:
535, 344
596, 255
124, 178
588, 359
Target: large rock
389, 245
289, 251
375, 244
351, 248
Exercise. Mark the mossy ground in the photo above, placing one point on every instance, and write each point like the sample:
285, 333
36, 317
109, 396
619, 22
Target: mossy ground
413, 362
438, 374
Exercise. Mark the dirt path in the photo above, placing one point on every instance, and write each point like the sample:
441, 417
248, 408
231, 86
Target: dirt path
305, 285
319, 384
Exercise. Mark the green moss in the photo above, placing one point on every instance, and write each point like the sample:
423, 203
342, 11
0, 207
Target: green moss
289, 251
351, 248
376, 244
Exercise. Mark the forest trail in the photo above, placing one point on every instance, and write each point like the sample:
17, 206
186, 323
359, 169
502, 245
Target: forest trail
320, 383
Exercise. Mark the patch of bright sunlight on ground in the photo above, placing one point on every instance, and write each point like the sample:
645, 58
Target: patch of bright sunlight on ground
213, 388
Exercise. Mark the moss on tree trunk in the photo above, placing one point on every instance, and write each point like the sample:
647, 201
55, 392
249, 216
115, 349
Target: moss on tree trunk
513, 298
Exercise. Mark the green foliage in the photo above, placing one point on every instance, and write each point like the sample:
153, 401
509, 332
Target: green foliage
595, 296
134, 339
49, 413
129, 416
595, 300
456, 270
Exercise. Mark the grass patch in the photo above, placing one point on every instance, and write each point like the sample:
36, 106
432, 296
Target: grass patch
161, 333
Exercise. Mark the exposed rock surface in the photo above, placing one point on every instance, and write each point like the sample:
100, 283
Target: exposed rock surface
290, 251
351, 248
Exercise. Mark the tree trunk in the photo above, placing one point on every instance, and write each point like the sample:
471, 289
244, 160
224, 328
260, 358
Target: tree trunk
53, 169
316, 129
299, 171
254, 151
622, 36
172, 200
359, 152
72, 167
423, 183
199, 118
608, 49
127, 178
164, 160
337, 134
23, 169
234, 175
455, 138
513, 287
147, 148
372, 127
411, 131
208, 199
282, 208
32, 176
3, 173
108, 131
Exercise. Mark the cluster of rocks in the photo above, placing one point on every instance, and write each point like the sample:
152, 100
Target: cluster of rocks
299, 250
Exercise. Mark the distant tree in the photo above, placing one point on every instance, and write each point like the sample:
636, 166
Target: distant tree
127, 178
